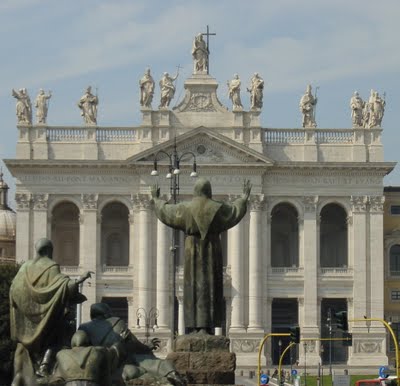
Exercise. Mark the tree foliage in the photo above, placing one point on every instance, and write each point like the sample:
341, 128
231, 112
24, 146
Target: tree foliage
7, 346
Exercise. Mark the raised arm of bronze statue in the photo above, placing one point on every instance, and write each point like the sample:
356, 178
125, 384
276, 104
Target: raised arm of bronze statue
155, 191
246, 189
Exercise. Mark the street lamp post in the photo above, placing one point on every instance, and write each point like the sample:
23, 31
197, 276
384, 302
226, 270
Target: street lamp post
149, 318
329, 320
322, 365
305, 363
173, 175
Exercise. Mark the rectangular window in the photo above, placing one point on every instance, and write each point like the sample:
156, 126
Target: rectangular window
395, 295
395, 209
396, 330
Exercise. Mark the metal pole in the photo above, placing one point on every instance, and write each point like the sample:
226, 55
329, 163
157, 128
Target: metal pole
330, 341
305, 364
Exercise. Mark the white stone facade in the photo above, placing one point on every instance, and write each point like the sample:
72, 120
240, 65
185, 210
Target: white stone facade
304, 174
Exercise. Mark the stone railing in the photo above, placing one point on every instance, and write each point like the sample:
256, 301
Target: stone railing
336, 271
287, 136
100, 134
117, 269
70, 269
284, 136
286, 270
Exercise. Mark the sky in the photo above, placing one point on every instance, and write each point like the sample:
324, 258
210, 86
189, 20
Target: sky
336, 45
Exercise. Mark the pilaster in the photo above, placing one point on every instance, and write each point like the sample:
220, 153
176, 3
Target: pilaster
256, 272
309, 324
164, 271
89, 249
236, 262
144, 274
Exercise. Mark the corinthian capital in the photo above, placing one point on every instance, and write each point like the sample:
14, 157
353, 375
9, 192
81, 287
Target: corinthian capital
257, 202
40, 201
376, 203
23, 200
142, 201
359, 203
89, 201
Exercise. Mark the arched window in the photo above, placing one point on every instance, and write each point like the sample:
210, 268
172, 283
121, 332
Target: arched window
333, 237
115, 235
395, 260
65, 234
284, 236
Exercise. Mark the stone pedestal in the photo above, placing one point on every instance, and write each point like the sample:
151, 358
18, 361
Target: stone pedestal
204, 359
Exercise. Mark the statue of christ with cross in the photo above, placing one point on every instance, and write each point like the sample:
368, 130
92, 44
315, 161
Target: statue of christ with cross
200, 53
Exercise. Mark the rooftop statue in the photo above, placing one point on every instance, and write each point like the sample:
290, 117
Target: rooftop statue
357, 107
39, 296
167, 89
234, 93
88, 104
106, 330
307, 107
200, 54
203, 220
42, 106
256, 92
23, 106
146, 89
375, 108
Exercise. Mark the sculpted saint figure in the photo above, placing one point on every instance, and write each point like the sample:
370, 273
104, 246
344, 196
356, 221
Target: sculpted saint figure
202, 220
376, 109
234, 92
146, 89
42, 106
88, 104
200, 54
39, 296
106, 330
23, 106
86, 365
307, 108
357, 107
167, 89
256, 92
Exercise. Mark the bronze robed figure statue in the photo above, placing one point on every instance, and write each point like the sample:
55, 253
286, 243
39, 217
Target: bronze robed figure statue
203, 220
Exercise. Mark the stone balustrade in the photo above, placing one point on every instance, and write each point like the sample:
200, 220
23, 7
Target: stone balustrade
120, 143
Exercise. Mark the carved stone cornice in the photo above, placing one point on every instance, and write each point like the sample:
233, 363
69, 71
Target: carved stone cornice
359, 203
310, 203
23, 201
40, 201
257, 202
376, 203
89, 201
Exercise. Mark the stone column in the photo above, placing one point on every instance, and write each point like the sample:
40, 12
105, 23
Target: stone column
236, 260
144, 269
358, 234
256, 271
164, 290
24, 250
375, 273
39, 226
181, 318
309, 323
131, 219
89, 249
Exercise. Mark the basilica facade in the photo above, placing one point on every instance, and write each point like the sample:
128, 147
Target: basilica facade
310, 245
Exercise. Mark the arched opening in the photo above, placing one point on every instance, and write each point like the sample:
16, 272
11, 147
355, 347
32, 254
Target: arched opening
115, 235
333, 237
284, 236
394, 260
65, 234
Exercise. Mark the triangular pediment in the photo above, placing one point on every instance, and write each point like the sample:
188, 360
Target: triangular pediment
208, 147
